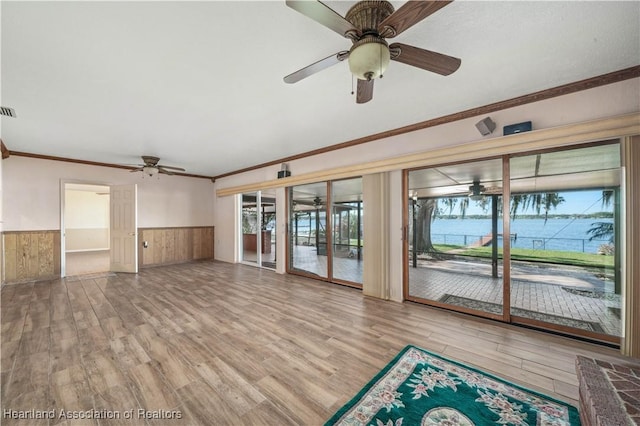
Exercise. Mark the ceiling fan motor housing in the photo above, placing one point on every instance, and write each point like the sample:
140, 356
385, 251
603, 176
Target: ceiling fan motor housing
367, 15
476, 190
150, 160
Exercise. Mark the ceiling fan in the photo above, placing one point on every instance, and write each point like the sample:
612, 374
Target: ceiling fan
152, 168
477, 191
368, 24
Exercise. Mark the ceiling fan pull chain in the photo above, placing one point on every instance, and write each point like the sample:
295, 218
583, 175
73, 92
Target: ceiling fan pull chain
352, 89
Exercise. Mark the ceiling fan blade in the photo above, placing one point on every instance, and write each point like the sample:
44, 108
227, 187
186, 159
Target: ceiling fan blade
425, 59
164, 172
139, 169
316, 67
180, 169
408, 15
322, 14
365, 91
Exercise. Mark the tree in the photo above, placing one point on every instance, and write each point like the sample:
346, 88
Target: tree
603, 230
424, 216
538, 201
426, 212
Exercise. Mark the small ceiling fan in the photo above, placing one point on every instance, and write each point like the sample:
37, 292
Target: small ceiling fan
152, 168
477, 191
368, 24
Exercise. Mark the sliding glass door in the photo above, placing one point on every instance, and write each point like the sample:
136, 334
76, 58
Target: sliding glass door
325, 231
308, 229
565, 210
552, 260
347, 219
258, 218
455, 237
268, 229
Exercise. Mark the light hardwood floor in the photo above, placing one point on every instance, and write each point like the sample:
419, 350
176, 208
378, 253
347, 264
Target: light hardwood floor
233, 344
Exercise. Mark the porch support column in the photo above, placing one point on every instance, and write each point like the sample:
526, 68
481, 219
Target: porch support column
376, 256
630, 343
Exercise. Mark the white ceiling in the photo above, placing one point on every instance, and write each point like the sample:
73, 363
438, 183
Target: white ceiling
199, 84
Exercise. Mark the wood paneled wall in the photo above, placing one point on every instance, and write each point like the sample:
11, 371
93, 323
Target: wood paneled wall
31, 255
35, 255
174, 245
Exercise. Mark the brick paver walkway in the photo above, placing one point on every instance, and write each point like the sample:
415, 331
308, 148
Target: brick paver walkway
560, 302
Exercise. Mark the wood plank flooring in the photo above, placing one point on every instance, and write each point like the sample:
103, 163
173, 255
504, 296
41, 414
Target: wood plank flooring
216, 343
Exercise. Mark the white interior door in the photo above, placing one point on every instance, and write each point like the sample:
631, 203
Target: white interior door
124, 229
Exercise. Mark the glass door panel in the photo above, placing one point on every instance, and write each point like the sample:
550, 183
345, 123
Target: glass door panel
268, 221
455, 237
565, 209
347, 230
308, 229
250, 227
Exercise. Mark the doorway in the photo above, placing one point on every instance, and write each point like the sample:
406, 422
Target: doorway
99, 228
86, 231
258, 219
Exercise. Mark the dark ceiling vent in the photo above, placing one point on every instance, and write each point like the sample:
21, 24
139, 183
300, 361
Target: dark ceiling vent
9, 112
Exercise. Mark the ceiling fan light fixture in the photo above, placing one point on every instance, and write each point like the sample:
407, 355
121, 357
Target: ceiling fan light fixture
150, 170
369, 58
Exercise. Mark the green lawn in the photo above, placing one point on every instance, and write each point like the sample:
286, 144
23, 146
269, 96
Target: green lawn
530, 255
446, 247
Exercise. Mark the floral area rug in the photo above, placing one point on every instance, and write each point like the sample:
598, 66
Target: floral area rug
421, 388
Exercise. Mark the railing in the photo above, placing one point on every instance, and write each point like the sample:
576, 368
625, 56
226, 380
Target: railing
583, 245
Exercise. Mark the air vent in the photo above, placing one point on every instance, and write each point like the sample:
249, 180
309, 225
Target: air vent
9, 112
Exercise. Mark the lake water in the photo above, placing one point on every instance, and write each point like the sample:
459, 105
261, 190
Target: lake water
554, 234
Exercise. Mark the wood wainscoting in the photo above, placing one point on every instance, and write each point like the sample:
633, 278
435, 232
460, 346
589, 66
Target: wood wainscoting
174, 245
35, 255
31, 255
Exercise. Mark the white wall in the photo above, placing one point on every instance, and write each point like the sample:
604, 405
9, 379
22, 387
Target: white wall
86, 220
85, 209
601, 102
31, 194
